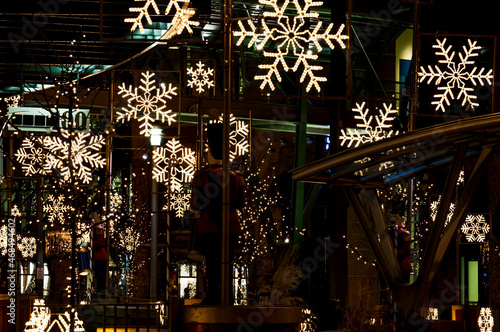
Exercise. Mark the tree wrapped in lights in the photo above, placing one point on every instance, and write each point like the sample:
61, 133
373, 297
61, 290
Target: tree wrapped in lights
149, 106
292, 37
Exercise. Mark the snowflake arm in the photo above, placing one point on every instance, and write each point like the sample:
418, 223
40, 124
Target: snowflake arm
181, 19
143, 13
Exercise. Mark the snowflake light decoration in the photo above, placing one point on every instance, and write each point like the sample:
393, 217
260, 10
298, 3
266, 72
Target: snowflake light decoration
200, 77
432, 314
15, 211
39, 317
32, 157
27, 247
475, 228
180, 21
368, 132
461, 76
78, 152
179, 202
63, 323
485, 321
56, 209
434, 209
173, 164
148, 107
238, 137
13, 101
129, 239
292, 37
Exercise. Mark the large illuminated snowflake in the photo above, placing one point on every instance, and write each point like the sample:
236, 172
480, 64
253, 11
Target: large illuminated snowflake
460, 77
475, 228
179, 202
485, 321
39, 318
367, 132
290, 37
200, 77
238, 137
434, 209
180, 21
173, 164
27, 247
56, 209
148, 106
74, 155
32, 157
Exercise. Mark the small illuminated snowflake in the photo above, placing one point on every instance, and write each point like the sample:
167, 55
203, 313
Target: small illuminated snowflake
180, 21
56, 209
485, 321
460, 77
368, 132
32, 157
15, 211
13, 101
432, 314
39, 317
475, 228
292, 37
179, 202
238, 137
74, 155
200, 77
129, 239
27, 247
115, 201
148, 107
173, 164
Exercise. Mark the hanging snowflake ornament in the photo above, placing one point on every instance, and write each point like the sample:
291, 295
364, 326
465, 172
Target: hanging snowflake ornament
475, 228
74, 155
181, 15
32, 157
288, 36
200, 77
27, 247
173, 164
368, 132
15, 211
434, 209
56, 209
238, 137
129, 239
485, 321
149, 106
179, 202
39, 318
13, 101
460, 78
